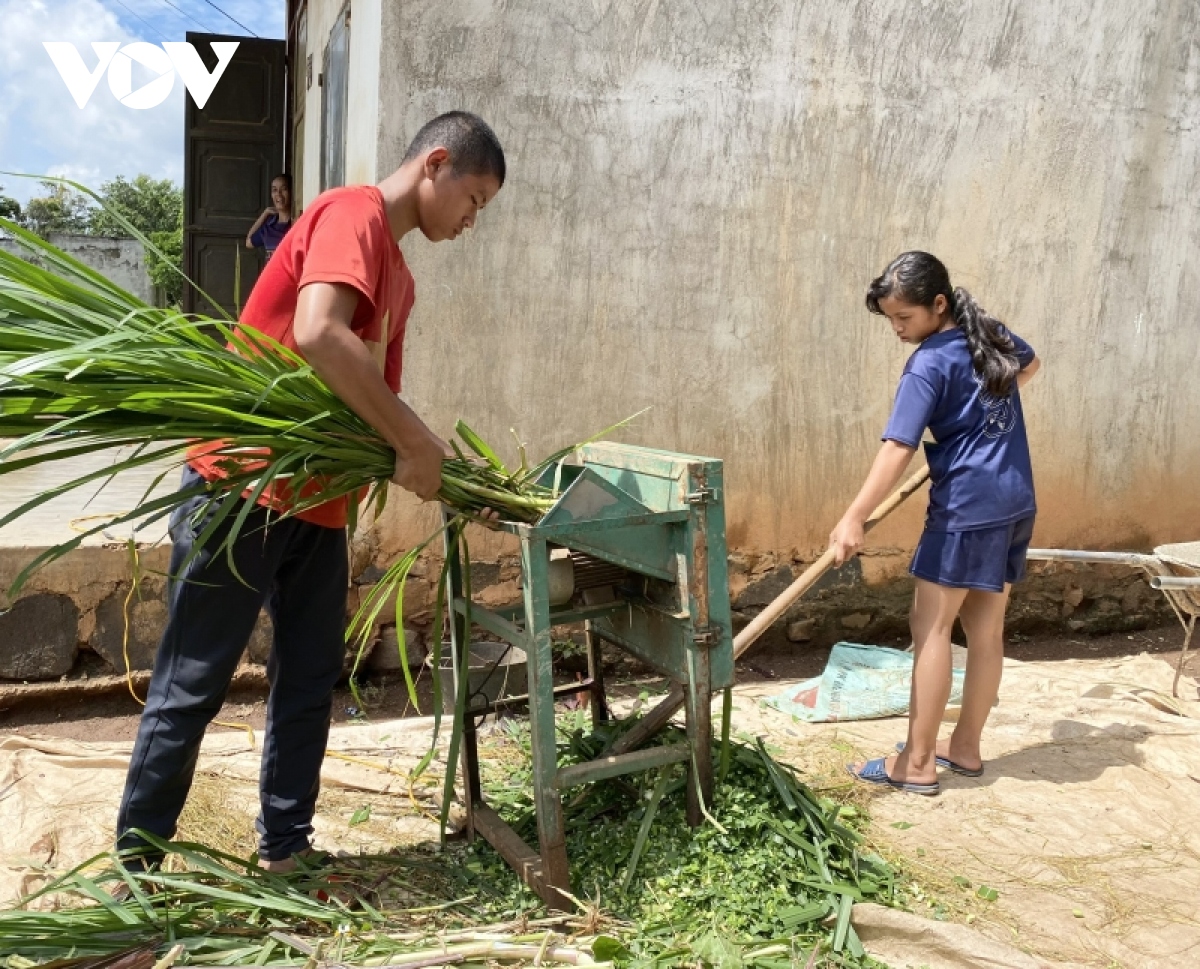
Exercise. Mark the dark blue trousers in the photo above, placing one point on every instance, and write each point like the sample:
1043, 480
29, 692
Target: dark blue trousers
299, 570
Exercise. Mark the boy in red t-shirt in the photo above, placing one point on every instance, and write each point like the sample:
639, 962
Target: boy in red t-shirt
338, 292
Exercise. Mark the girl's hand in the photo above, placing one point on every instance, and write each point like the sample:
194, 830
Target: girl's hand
846, 539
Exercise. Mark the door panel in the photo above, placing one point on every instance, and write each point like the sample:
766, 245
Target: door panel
232, 149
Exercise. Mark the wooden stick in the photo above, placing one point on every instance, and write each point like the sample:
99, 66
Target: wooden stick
657, 718
810, 576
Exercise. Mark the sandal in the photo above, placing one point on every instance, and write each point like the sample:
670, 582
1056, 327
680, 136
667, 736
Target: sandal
875, 772
947, 763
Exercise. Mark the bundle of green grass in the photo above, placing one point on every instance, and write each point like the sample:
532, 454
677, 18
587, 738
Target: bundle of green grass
86, 367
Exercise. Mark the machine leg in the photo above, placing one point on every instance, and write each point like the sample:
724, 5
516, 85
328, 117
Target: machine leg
596, 675
552, 839
460, 634
698, 704
470, 766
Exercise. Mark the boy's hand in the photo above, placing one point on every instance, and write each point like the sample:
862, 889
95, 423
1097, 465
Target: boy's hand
846, 539
419, 467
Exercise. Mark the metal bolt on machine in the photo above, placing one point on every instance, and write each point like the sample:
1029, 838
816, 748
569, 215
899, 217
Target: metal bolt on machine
634, 550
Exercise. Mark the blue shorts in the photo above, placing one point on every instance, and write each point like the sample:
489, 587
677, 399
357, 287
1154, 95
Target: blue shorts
984, 558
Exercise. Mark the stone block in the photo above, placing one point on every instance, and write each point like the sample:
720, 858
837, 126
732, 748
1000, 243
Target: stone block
39, 637
848, 576
147, 619
1133, 597
258, 650
857, 621
802, 630
418, 599
385, 657
1071, 599
764, 590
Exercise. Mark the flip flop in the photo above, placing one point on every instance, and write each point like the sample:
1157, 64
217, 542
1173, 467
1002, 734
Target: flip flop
947, 763
875, 772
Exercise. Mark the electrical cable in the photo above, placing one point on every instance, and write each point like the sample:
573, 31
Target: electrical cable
236, 21
184, 13
142, 19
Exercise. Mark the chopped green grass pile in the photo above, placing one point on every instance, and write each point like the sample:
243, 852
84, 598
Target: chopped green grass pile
768, 882
773, 874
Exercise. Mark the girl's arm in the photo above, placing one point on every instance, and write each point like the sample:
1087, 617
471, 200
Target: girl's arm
267, 213
847, 538
1028, 372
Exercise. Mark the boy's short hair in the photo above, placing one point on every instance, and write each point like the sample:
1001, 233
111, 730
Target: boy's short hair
473, 146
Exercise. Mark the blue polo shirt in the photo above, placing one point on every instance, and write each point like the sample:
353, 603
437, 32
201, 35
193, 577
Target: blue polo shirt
979, 468
271, 233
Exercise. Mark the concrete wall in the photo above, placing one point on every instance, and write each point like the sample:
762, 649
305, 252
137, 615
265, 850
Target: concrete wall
699, 193
120, 260
697, 197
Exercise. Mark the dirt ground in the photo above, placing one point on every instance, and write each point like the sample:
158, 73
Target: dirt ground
1076, 850
114, 716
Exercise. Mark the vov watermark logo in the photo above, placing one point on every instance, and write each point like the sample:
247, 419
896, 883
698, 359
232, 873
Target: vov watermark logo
162, 61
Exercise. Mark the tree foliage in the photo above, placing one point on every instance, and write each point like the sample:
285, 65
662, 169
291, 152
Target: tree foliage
60, 209
10, 208
155, 208
165, 274
152, 205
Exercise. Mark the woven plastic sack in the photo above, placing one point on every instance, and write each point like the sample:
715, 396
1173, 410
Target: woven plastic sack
859, 683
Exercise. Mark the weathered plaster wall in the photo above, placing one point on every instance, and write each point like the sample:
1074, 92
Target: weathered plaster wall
120, 260
698, 194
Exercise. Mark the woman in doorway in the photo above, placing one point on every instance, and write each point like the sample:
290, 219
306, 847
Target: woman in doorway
270, 227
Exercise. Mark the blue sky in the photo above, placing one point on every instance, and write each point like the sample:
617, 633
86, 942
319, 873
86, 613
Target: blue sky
43, 131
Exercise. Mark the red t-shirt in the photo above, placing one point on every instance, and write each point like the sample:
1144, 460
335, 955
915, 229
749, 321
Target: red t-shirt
343, 237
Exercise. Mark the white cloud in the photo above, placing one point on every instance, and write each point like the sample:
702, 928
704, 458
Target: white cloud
42, 131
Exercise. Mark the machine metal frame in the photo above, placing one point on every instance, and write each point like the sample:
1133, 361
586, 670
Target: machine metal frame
660, 517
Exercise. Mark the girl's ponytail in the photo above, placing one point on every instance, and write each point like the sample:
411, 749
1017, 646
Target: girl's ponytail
993, 354
919, 278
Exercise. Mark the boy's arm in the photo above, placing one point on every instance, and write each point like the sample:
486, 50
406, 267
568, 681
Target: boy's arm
322, 330
890, 462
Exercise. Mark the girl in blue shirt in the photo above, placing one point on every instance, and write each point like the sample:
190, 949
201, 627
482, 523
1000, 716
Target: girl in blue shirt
961, 384
270, 227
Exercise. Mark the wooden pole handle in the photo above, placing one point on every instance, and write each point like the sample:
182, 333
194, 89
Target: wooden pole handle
809, 577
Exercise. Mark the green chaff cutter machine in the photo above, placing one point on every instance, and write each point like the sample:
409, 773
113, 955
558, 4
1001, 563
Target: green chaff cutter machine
640, 536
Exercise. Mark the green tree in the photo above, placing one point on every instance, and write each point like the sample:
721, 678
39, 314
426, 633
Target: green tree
61, 209
152, 205
155, 208
10, 208
165, 275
